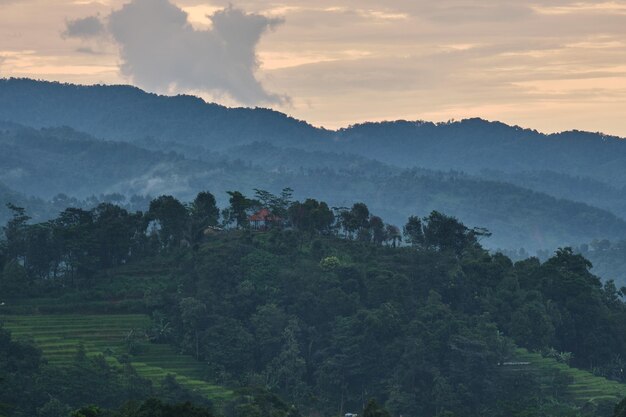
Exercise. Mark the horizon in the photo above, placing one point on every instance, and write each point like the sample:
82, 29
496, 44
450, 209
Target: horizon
554, 66
336, 129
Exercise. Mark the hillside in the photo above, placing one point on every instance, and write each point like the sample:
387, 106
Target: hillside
115, 336
323, 311
60, 161
123, 141
474, 144
128, 114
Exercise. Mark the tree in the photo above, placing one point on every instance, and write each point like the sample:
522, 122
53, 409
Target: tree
73, 232
156, 408
288, 369
192, 313
114, 232
171, 218
372, 409
204, 213
204, 209
41, 251
443, 232
238, 210
278, 205
393, 234
312, 216
378, 230
90, 411
413, 231
360, 216
53, 408
355, 220
620, 409
15, 233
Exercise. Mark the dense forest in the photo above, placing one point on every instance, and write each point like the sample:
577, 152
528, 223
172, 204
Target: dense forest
61, 164
128, 114
320, 306
534, 191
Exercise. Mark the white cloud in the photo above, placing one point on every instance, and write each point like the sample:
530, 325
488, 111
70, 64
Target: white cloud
165, 48
84, 28
161, 50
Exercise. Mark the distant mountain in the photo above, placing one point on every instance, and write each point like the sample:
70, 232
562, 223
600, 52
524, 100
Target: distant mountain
51, 161
589, 190
125, 113
486, 173
129, 114
474, 145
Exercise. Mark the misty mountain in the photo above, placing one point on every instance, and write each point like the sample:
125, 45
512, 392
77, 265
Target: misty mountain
487, 174
473, 145
51, 161
589, 190
125, 113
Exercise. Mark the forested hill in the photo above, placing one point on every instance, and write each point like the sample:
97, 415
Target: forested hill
475, 144
130, 114
62, 164
140, 143
318, 307
127, 113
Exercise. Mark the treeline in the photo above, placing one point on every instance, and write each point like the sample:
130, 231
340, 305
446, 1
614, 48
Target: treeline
74, 246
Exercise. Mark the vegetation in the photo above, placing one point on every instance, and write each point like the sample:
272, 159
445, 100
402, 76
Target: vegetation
177, 145
318, 305
250, 302
122, 340
608, 258
45, 163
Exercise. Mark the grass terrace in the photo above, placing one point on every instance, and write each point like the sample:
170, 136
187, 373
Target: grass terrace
59, 336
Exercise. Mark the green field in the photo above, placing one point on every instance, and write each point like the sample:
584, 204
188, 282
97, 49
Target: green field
583, 388
59, 336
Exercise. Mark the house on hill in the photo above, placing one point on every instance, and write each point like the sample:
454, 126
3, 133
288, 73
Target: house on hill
264, 219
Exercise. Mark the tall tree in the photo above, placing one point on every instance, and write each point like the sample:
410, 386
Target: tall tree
15, 233
393, 234
204, 213
204, 209
413, 231
238, 210
311, 216
171, 218
378, 230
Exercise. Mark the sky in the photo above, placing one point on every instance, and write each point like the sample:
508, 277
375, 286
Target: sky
551, 65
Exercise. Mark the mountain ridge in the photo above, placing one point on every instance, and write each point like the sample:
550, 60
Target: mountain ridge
180, 145
200, 101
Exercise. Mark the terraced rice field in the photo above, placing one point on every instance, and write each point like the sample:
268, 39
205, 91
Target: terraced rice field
59, 337
584, 387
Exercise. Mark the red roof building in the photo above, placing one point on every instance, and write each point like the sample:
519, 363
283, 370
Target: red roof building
264, 219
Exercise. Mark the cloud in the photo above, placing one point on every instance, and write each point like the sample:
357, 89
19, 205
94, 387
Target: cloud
161, 50
87, 50
85, 28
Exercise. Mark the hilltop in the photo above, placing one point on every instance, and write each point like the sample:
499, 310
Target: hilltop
321, 310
